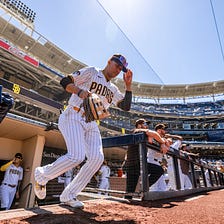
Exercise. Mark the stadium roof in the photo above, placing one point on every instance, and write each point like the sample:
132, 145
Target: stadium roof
44, 51
175, 91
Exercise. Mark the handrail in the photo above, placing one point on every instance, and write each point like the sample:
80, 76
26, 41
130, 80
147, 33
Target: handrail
29, 195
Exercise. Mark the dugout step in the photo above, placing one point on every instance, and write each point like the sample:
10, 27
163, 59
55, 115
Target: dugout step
85, 196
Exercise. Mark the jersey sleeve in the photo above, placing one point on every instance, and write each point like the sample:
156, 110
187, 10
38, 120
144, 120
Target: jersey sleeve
5, 166
84, 75
118, 96
21, 174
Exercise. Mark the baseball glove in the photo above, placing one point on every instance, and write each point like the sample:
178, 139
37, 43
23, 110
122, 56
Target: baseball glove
94, 108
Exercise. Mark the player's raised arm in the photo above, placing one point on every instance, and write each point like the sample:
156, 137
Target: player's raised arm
5, 166
127, 77
125, 104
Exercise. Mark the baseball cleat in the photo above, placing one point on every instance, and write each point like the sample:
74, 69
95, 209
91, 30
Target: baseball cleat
74, 203
40, 190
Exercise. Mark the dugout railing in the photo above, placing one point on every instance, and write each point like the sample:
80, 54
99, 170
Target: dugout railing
197, 170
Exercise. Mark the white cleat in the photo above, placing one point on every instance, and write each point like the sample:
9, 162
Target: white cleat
40, 190
74, 203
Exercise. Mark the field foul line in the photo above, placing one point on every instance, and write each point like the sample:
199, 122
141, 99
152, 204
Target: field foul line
195, 198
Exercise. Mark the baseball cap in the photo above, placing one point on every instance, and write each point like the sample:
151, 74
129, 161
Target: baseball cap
18, 155
141, 121
185, 145
160, 126
121, 60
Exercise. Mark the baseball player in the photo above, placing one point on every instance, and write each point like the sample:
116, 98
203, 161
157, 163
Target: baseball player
83, 138
104, 174
68, 177
184, 167
207, 178
11, 182
154, 158
132, 163
170, 165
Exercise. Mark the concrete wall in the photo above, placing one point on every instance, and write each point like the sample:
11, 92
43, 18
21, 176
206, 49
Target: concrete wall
32, 151
9, 147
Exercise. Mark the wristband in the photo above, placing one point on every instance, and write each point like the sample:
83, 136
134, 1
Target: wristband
79, 92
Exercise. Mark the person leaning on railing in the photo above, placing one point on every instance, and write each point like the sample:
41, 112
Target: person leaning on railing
132, 161
185, 166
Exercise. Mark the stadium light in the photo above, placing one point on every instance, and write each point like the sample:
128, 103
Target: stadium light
19, 9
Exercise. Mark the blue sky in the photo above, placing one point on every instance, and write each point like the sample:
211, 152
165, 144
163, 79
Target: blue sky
165, 41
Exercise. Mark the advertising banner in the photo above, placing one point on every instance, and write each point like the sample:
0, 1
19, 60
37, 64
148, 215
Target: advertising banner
15, 51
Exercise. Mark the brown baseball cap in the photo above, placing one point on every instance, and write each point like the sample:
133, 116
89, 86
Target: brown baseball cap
141, 121
160, 126
19, 155
185, 145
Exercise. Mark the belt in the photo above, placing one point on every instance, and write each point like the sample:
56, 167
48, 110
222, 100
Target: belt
10, 185
157, 160
78, 109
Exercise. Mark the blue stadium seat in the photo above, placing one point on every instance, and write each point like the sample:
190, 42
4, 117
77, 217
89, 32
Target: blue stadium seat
6, 104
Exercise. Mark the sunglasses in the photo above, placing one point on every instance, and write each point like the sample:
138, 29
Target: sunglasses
18, 157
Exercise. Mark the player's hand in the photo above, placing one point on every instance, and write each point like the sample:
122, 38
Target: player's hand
168, 142
84, 94
164, 149
127, 77
17, 195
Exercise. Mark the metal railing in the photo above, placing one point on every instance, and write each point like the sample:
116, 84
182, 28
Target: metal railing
29, 186
197, 168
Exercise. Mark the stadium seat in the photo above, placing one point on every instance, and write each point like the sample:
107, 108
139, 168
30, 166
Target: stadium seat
6, 104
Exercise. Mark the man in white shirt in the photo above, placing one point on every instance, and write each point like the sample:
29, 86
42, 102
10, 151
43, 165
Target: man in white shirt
11, 182
104, 174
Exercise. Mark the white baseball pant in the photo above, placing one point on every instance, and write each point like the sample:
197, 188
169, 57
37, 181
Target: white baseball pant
82, 140
104, 184
7, 196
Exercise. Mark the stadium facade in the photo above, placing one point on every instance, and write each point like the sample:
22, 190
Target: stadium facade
30, 71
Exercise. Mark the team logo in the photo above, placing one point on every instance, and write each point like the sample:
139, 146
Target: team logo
102, 90
16, 88
76, 73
